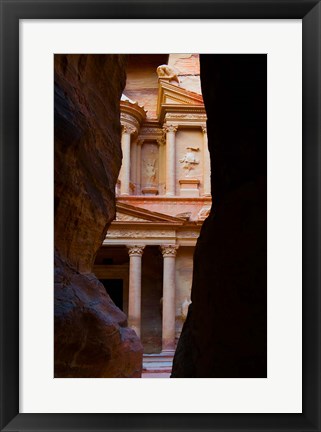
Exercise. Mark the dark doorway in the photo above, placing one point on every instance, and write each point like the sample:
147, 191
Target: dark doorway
152, 292
114, 288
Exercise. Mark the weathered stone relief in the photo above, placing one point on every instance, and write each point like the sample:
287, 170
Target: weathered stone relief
189, 160
184, 308
203, 213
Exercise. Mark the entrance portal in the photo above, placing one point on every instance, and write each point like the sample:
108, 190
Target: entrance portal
114, 288
152, 292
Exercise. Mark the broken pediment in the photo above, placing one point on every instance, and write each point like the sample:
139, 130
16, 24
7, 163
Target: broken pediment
129, 213
172, 96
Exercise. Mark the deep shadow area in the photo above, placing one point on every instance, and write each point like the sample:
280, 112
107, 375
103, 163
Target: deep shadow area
225, 334
92, 338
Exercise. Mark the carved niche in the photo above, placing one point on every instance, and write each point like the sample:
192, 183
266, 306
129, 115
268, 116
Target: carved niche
150, 168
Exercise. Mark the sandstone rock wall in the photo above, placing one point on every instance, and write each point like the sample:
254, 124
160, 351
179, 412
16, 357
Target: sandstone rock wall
224, 334
91, 337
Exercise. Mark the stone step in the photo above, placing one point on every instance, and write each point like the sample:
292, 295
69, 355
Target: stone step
157, 368
157, 357
156, 375
157, 363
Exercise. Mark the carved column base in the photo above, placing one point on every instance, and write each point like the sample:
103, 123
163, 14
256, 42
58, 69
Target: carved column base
150, 191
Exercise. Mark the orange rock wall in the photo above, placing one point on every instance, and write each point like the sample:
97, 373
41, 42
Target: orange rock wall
91, 334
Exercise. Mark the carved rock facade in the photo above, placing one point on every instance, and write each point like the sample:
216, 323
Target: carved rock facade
162, 197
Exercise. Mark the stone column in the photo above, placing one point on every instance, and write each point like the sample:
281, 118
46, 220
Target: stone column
169, 308
170, 159
206, 165
138, 165
124, 174
133, 164
135, 276
162, 167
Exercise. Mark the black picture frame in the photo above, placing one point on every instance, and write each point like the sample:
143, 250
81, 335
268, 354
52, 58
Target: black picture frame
11, 12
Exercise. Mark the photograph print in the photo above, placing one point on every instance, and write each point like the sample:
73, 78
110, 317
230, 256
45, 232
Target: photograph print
160, 215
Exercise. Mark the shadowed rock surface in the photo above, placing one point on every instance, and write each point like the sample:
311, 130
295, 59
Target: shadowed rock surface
225, 331
91, 337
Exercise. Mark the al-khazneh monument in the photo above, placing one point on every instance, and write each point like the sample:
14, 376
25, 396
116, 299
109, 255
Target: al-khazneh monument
163, 196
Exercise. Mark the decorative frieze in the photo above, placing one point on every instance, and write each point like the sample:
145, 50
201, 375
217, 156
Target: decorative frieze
189, 116
137, 234
188, 234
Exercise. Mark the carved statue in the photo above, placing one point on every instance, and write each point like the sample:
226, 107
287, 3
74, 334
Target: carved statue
167, 72
150, 170
203, 213
189, 160
184, 307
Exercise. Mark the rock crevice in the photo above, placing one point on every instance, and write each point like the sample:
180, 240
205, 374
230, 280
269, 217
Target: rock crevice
225, 331
91, 337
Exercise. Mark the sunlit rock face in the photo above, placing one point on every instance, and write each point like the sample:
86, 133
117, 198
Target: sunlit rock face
91, 337
225, 331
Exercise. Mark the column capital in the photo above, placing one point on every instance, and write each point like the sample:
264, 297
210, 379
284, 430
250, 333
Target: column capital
204, 129
169, 250
161, 141
140, 141
134, 250
128, 129
170, 128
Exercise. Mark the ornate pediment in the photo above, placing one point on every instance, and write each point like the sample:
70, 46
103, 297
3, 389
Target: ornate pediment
133, 214
172, 98
128, 218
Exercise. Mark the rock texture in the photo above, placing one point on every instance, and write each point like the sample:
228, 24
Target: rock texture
224, 334
91, 337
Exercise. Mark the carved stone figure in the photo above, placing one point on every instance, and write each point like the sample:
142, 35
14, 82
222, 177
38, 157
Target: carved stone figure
184, 307
150, 170
203, 213
189, 160
167, 72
